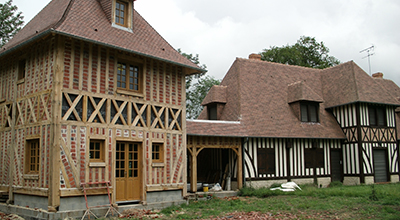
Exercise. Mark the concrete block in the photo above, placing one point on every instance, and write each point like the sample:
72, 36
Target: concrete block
369, 180
351, 180
323, 181
29, 201
164, 196
394, 178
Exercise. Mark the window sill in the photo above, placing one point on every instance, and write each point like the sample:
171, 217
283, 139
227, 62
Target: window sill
31, 176
97, 164
129, 92
121, 27
20, 81
157, 165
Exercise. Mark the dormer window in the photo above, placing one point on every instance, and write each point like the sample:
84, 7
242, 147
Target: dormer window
212, 111
309, 111
121, 13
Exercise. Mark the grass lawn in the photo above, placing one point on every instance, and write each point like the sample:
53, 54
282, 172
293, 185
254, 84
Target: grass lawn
380, 201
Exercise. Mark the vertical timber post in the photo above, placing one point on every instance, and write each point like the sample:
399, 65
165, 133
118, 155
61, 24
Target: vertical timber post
58, 68
12, 148
359, 143
240, 167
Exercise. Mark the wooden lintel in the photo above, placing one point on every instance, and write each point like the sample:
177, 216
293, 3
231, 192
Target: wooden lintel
32, 191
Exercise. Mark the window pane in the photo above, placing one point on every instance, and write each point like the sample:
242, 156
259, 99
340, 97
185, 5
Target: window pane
304, 113
380, 112
372, 116
313, 113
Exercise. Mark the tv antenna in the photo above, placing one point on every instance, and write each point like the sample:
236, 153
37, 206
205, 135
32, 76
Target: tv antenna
370, 52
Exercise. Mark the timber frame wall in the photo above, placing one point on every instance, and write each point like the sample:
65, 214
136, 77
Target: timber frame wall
289, 158
69, 97
363, 138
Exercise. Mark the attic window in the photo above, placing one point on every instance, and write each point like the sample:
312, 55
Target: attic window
212, 112
309, 111
121, 13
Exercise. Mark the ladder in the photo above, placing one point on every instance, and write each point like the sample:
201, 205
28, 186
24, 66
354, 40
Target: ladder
98, 185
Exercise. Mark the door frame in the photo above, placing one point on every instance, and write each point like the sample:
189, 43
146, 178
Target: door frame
340, 150
141, 168
385, 150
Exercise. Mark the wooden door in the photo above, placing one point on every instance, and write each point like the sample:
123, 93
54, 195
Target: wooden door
380, 165
128, 171
336, 165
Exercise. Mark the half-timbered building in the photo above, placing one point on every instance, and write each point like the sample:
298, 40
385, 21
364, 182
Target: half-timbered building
91, 95
299, 124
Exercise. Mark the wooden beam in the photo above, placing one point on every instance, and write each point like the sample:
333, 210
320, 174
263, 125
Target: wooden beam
240, 168
12, 147
54, 174
193, 170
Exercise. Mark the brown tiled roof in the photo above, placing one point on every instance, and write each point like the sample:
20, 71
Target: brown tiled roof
90, 20
347, 83
214, 128
217, 94
259, 93
299, 91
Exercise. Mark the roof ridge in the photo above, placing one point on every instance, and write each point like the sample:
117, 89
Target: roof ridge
280, 64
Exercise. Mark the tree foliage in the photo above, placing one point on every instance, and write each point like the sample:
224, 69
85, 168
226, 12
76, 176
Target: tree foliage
195, 60
11, 21
306, 52
197, 87
196, 95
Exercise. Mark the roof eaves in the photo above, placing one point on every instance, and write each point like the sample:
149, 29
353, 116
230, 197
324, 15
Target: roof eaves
27, 42
379, 103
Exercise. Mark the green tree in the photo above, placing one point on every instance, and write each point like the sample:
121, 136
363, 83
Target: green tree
11, 21
196, 95
195, 60
306, 52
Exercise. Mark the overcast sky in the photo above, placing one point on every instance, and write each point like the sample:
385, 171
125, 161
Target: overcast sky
221, 30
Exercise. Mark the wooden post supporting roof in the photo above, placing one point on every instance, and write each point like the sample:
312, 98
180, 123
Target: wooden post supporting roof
54, 178
195, 148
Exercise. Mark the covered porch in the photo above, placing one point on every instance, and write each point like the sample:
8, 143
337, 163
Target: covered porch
215, 160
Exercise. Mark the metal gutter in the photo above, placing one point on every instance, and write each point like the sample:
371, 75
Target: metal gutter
25, 43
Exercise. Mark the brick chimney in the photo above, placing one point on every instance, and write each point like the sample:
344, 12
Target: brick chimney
377, 75
255, 56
